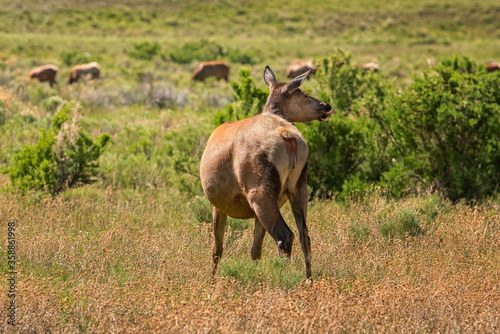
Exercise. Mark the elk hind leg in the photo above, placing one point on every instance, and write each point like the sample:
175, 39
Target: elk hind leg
268, 213
219, 221
298, 202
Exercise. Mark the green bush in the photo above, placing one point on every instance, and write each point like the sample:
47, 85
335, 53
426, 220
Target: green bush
350, 151
204, 50
70, 58
342, 83
446, 130
64, 157
240, 57
144, 50
249, 100
52, 103
201, 51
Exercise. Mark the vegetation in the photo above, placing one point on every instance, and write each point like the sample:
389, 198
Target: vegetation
63, 157
113, 232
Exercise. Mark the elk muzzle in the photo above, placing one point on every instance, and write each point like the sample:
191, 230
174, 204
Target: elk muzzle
327, 113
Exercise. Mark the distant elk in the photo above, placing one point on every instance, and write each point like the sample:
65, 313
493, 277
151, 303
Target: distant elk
492, 67
44, 73
217, 69
370, 67
252, 167
79, 71
299, 67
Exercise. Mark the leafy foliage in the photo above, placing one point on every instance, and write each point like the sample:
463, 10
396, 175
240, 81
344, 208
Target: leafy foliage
248, 100
144, 50
341, 83
70, 58
350, 151
64, 157
446, 129
202, 50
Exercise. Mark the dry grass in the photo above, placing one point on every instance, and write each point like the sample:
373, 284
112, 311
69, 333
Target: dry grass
108, 261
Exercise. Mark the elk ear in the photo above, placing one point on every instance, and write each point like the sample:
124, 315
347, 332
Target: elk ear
295, 83
269, 77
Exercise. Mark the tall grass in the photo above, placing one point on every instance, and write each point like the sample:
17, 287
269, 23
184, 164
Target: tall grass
94, 259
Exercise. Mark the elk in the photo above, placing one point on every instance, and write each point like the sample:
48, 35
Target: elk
370, 67
80, 71
218, 69
299, 67
492, 67
44, 73
252, 167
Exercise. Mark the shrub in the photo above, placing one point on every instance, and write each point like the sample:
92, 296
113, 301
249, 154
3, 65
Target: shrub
70, 58
52, 103
446, 129
64, 157
249, 100
202, 51
350, 151
144, 50
335, 152
241, 57
341, 83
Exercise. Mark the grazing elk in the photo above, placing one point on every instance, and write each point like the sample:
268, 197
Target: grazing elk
44, 73
492, 67
370, 67
218, 69
252, 167
82, 70
300, 67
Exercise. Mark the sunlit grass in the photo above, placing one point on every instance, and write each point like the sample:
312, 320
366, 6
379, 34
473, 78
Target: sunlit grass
89, 252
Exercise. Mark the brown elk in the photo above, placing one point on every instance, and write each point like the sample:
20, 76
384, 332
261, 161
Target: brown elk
492, 67
82, 70
252, 167
44, 73
299, 67
370, 67
218, 69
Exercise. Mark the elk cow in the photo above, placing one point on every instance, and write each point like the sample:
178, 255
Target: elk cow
218, 69
252, 167
370, 67
44, 73
300, 67
79, 71
492, 67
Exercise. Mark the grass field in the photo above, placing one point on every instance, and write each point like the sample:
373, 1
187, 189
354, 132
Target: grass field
132, 252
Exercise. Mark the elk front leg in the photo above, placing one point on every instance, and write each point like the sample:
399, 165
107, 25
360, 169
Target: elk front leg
258, 236
219, 219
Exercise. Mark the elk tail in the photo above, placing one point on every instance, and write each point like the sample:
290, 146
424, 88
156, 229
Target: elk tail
290, 145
